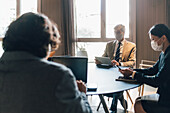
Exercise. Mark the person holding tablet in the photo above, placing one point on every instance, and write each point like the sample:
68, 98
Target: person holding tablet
156, 76
122, 53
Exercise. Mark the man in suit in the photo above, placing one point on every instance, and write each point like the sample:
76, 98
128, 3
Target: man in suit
28, 82
122, 53
127, 49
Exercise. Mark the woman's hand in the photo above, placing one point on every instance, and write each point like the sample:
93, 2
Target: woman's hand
126, 72
81, 86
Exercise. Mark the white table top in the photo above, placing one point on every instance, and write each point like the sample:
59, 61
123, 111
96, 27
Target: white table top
105, 80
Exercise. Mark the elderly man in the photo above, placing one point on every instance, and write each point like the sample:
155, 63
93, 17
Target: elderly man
122, 53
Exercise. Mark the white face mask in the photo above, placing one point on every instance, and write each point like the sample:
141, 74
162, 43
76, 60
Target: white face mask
119, 36
155, 46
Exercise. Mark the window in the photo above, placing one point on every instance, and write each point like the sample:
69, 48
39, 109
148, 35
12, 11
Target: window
117, 11
93, 49
88, 19
7, 14
28, 6
10, 9
95, 21
97, 18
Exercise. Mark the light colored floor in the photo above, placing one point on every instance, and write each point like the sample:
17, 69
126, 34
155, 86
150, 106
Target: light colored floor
94, 100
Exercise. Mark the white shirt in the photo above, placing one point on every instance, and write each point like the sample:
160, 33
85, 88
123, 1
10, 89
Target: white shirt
121, 49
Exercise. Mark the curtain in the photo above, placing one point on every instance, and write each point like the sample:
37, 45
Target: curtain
68, 30
168, 12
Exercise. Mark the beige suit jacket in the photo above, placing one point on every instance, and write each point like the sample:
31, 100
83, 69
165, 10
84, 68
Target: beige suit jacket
128, 54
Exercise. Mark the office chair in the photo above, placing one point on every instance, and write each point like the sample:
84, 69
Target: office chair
144, 64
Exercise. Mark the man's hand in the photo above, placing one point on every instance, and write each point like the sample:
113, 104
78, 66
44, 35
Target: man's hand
97, 62
81, 86
114, 62
126, 72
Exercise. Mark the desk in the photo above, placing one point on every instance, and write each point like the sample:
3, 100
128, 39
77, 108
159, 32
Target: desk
105, 80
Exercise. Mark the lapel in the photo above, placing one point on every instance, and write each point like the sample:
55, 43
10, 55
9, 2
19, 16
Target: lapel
113, 48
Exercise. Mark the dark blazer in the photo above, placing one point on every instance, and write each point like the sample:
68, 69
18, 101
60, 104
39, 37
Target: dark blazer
29, 84
158, 76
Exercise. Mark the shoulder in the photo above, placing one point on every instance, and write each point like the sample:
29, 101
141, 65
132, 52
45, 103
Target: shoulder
131, 44
55, 68
54, 65
111, 42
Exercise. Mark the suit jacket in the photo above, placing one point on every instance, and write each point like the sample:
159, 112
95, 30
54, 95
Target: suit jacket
158, 76
29, 84
128, 55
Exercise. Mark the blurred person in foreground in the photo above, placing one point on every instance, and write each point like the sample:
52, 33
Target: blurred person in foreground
157, 76
30, 83
122, 53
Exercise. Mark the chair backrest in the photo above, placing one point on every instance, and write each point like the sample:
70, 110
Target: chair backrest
146, 64
78, 65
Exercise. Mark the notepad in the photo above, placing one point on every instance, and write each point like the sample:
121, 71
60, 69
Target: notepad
104, 60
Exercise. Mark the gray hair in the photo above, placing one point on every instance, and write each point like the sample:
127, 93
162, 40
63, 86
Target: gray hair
120, 27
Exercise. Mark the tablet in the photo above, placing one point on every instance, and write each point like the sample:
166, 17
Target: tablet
104, 60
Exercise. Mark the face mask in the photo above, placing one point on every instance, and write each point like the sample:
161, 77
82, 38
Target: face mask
119, 36
155, 46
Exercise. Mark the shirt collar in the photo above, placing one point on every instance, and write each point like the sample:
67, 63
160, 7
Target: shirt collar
122, 42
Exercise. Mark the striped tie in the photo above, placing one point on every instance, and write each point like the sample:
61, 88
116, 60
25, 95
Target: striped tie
118, 53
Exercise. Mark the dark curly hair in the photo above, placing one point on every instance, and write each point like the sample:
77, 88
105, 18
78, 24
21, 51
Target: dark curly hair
31, 33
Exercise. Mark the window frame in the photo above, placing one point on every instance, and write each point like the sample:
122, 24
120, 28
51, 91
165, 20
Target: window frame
18, 10
132, 24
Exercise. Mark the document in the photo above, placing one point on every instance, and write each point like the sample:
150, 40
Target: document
104, 60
